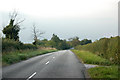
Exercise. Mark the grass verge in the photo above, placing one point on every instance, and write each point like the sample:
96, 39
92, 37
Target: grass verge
101, 71
13, 57
104, 72
90, 58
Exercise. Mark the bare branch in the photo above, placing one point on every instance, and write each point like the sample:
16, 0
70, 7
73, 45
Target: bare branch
13, 15
19, 22
37, 34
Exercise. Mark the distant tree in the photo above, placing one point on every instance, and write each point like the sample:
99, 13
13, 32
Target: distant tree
55, 38
57, 43
44, 40
74, 41
11, 31
85, 41
37, 34
64, 45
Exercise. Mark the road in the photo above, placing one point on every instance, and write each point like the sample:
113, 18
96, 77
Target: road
61, 64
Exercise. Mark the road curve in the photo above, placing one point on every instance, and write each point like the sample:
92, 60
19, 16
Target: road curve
61, 64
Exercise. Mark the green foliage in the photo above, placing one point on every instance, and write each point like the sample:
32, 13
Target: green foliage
55, 42
85, 41
44, 43
90, 58
104, 72
17, 56
63, 45
11, 31
59, 44
11, 45
75, 41
106, 47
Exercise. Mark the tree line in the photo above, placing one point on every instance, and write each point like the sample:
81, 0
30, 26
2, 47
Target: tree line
56, 42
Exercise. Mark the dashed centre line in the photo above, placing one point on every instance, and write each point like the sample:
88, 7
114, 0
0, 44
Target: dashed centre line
47, 62
31, 76
53, 57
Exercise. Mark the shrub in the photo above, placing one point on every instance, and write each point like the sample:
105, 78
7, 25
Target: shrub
11, 45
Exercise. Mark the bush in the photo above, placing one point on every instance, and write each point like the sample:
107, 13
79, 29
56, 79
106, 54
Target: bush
11, 45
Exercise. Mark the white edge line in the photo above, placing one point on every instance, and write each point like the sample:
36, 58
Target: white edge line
53, 57
47, 62
32, 75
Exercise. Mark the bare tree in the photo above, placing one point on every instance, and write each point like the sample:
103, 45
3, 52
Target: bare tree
37, 34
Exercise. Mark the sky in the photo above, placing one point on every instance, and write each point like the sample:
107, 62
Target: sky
91, 19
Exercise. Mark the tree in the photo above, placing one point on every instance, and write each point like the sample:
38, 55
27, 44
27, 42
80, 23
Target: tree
11, 31
74, 41
85, 41
37, 34
57, 43
55, 40
64, 45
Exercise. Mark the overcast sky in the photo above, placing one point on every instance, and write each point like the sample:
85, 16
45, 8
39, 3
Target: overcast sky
92, 19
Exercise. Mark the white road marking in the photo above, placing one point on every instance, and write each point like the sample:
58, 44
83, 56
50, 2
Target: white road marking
53, 57
32, 76
47, 62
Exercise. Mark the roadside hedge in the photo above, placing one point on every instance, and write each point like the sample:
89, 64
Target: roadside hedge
106, 47
11, 45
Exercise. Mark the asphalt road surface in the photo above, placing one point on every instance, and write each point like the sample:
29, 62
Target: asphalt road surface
61, 64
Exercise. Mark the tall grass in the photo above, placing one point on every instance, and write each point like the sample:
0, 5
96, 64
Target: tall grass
104, 72
101, 72
17, 56
90, 58
106, 47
